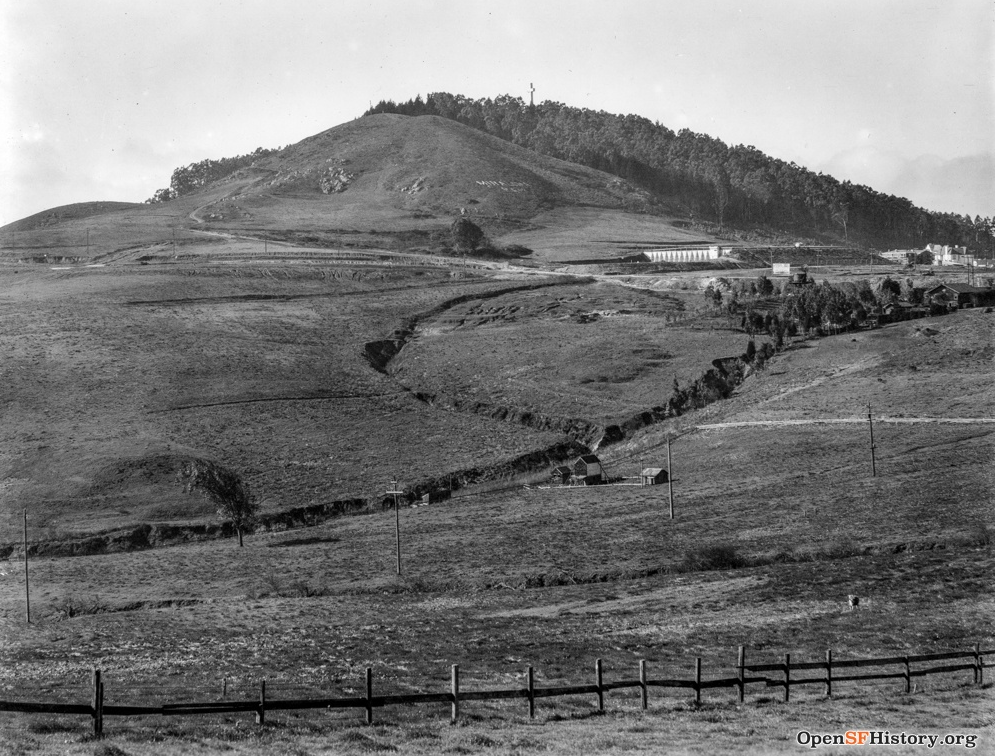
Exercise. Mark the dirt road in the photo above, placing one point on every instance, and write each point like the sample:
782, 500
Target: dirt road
851, 420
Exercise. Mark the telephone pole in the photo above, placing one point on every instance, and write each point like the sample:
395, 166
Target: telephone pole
870, 425
397, 522
27, 595
670, 479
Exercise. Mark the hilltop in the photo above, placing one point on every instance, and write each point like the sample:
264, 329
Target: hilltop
383, 181
530, 175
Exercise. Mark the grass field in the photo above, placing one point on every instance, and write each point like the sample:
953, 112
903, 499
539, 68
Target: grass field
548, 577
277, 338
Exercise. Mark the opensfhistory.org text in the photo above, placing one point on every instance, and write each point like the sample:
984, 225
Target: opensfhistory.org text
884, 737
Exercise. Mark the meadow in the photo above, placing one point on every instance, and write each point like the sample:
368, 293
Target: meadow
324, 374
265, 369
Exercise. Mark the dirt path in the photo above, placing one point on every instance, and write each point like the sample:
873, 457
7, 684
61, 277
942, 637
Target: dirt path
853, 420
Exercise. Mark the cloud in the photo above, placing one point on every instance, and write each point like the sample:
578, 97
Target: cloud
963, 185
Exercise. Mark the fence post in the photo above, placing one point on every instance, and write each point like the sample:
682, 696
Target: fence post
697, 680
455, 690
100, 709
369, 695
531, 691
597, 681
224, 689
97, 705
261, 711
977, 661
787, 677
829, 673
908, 676
644, 691
742, 673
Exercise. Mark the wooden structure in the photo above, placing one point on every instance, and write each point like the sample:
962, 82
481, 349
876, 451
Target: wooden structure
562, 474
961, 295
653, 476
587, 470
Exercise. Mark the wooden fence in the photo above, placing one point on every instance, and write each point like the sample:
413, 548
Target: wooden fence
456, 696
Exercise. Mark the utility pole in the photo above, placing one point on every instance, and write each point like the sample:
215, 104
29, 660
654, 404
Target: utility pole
174, 241
670, 479
397, 522
870, 424
27, 595
88, 242
532, 91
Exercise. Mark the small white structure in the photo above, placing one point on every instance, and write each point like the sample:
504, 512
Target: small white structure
782, 269
653, 476
899, 255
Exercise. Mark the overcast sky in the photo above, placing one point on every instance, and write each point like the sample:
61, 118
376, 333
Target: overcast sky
101, 100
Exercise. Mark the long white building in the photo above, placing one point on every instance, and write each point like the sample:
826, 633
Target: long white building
684, 254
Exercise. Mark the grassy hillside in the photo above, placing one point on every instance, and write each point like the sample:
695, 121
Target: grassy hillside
263, 369
379, 182
321, 347
558, 577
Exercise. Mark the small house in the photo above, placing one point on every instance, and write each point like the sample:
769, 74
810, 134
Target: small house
562, 474
587, 469
653, 476
960, 295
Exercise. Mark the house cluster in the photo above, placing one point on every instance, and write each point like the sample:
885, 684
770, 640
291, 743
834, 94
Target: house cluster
941, 298
942, 254
588, 471
585, 471
957, 295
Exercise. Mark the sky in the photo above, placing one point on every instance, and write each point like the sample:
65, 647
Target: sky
102, 100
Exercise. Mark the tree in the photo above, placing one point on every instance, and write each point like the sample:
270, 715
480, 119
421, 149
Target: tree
466, 234
229, 493
765, 287
161, 195
890, 290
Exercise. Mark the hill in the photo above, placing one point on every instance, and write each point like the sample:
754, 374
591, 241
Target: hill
386, 181
737, 185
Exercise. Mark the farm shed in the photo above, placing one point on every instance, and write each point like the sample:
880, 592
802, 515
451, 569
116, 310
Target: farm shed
587, 468
653, 476
562, 474
964, 295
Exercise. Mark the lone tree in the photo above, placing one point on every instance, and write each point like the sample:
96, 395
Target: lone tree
225, 489
466, 235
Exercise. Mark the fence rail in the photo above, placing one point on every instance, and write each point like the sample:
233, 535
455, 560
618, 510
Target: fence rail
97, 710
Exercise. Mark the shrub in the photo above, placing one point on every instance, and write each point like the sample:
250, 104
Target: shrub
719, 556
71, 606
